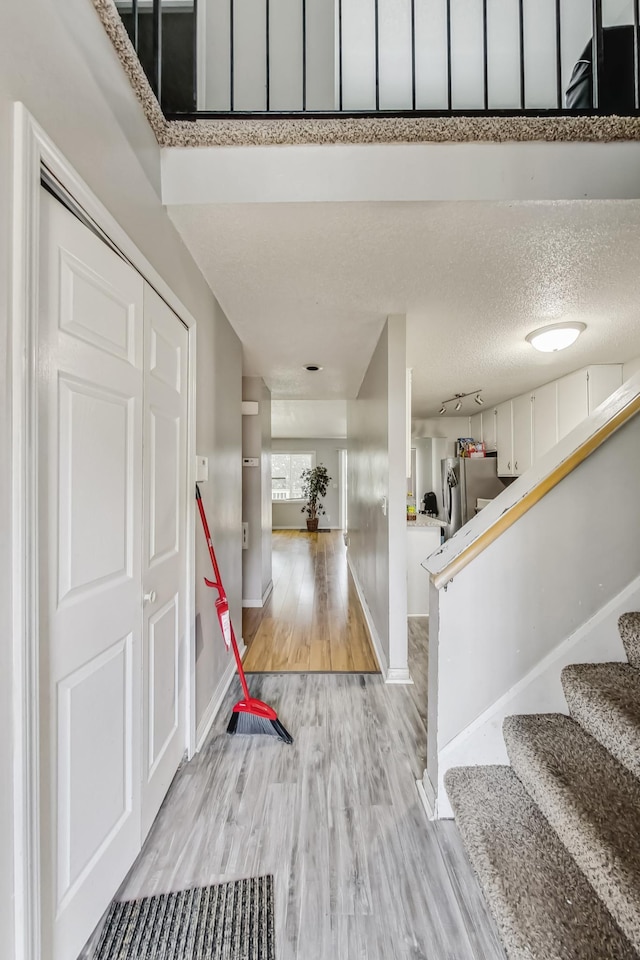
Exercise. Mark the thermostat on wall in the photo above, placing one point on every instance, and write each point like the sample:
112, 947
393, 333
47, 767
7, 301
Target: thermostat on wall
250, 462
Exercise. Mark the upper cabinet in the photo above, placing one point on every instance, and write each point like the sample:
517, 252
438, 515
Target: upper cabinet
545, 419
528, 426
514, 436
581, 392
522, 433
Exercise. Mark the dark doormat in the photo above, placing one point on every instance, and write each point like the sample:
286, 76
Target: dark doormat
228, 921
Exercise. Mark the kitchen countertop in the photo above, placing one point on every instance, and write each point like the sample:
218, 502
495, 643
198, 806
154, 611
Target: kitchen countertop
424, 521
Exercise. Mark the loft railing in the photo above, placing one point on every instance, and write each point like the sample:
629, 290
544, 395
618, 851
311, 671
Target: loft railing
323, 58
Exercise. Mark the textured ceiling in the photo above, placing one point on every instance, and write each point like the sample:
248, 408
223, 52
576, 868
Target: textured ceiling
314, 282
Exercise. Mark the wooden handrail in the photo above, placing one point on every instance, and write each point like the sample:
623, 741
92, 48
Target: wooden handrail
517, 510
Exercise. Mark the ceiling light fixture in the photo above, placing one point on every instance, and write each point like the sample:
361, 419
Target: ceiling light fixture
557, 336
312, 367
458, 398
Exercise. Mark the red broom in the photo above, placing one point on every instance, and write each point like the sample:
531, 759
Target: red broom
249, 715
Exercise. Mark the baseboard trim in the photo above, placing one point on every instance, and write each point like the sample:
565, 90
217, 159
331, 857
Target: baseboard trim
398, 675
217, 698
428, 798
371, 627
304, 529
254, 601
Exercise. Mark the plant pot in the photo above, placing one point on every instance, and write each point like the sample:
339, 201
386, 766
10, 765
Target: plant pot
312, 525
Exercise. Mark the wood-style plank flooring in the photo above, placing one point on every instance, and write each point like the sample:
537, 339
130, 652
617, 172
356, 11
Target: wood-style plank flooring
360, 873
313, 620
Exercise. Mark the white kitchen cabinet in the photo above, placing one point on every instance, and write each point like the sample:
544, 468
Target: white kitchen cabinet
504, 438
545, 419
573, 402
581, 392
522, 434
475, 427
489, 429
602, 380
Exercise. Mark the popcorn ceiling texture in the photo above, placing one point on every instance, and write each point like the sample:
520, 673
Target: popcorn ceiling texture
382, 129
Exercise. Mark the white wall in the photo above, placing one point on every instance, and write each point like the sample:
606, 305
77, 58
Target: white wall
289, 515
546, 577
56, 58
376, 437
256, 494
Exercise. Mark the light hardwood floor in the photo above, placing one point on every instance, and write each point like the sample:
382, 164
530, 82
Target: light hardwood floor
360, 873
313, 620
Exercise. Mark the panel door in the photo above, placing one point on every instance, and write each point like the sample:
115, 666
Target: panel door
521, 408
573, 405
90, 539
504, 439
545, 419
165, 510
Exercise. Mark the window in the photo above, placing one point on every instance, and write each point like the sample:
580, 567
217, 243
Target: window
286, 471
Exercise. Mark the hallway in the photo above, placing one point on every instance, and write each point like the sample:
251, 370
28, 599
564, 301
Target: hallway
313, 620
359, 870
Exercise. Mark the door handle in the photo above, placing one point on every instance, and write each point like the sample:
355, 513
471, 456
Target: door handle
150, 597
515, 466
509, 465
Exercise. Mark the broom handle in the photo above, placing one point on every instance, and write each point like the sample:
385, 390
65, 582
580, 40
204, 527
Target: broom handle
217, 583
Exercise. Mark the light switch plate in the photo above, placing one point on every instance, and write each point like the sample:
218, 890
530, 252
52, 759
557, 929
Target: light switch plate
250, 461
202, 468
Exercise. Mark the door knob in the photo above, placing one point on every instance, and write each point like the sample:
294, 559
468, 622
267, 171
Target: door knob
150, 597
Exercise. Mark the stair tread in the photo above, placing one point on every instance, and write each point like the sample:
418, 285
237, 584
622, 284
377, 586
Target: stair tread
605, 699
591, 801
629, 627
542, 903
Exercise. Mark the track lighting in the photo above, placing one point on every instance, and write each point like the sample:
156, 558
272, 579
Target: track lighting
458, 398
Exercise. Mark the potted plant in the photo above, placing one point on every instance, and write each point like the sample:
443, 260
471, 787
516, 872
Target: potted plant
315, 482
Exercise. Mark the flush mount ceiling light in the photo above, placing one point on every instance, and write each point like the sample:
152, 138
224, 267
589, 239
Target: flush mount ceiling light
557, 336
457, 398
312, 367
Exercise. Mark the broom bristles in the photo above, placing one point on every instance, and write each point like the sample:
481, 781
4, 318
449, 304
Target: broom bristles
245, 723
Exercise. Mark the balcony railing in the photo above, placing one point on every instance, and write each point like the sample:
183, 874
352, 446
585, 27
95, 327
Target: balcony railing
326, 58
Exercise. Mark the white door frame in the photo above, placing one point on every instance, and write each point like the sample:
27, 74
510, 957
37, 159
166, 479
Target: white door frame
32, 150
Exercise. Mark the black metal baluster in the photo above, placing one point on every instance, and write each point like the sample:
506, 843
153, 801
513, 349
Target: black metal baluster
413, 54
377, 40
597, 51
268, 55
485, 64
195, 55
134, 26
636, 53
521, 32
340, 54
156, 79
558, 57
304, 54
449, 81
231, 56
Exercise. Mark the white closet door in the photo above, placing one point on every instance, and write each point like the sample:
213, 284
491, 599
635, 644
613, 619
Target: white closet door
90, 539
164, 564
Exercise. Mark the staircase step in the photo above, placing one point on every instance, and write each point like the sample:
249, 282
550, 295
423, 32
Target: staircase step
591, 801
605, 699
629, 627
542, 903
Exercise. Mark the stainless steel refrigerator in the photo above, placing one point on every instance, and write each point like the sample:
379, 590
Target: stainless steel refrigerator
464, 479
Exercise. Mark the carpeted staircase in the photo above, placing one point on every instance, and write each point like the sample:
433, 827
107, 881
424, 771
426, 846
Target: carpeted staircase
555, 837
